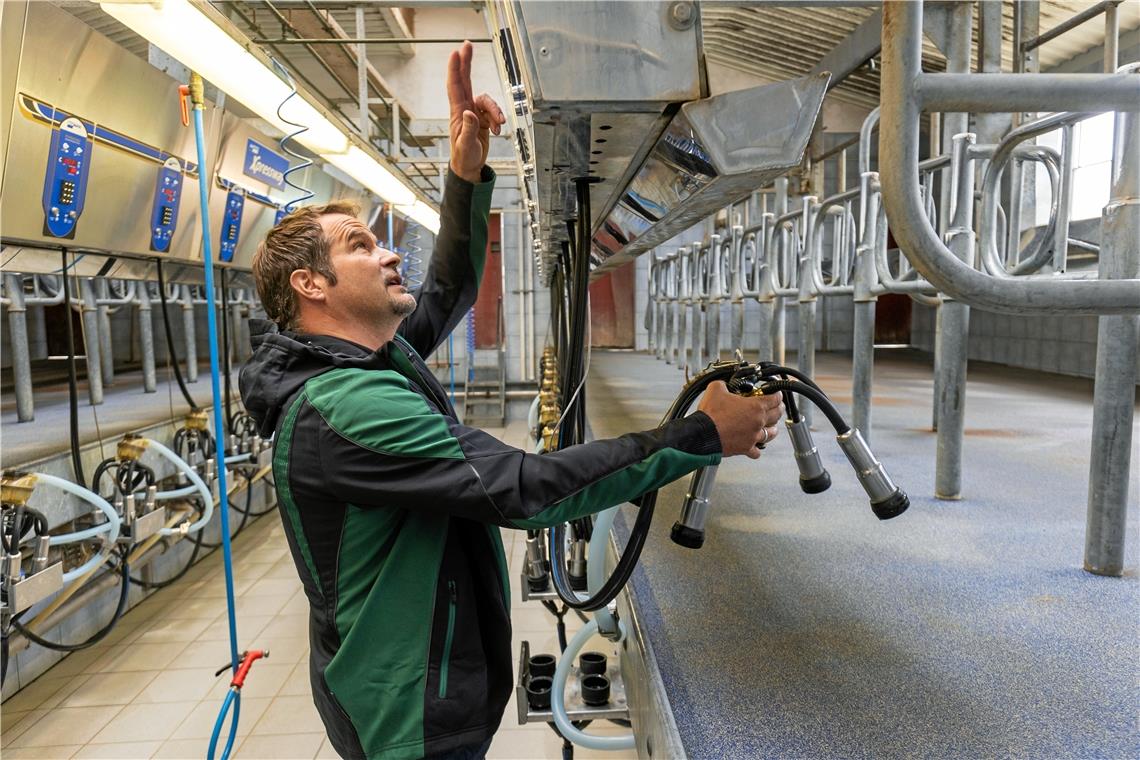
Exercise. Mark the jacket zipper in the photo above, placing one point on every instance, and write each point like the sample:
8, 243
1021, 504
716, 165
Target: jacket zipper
447, 641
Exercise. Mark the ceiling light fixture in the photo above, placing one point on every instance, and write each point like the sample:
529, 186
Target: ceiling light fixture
193, 32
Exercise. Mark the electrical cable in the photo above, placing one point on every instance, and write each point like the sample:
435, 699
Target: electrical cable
170, 340
72, 378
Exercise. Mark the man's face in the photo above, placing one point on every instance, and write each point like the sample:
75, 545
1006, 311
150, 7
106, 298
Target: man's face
368, 285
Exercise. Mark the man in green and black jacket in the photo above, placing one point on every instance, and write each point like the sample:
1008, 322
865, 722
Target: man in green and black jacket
392, 507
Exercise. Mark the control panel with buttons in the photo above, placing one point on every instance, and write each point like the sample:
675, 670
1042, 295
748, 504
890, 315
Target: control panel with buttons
65, 182
167, 198
231, 224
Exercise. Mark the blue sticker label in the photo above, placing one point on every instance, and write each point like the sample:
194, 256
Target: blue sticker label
264, 165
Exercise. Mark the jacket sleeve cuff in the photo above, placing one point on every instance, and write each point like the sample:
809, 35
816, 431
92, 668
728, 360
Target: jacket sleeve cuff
695, 434
485, 184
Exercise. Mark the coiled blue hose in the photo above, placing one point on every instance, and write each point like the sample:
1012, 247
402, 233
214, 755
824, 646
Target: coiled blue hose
410, 269
305, 163
471, 345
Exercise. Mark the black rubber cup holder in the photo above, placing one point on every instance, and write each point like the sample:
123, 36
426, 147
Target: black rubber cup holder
542, 665
592, 663
538, 692
595, 690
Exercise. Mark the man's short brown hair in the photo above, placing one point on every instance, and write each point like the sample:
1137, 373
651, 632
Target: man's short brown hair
296, 242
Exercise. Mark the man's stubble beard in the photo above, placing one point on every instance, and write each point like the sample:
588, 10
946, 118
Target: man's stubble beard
403, 307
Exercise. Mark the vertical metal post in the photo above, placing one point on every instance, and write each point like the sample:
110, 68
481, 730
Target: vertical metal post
37, 332
362, 77
106, 346
1117, 346
779, 315
394, 149
1065, 202
953, 318
1111, 39
955, 334
805, 353
990, 126
237, 333
146, 337
683, 311
863, 333
21, 357
91, 341
189, 334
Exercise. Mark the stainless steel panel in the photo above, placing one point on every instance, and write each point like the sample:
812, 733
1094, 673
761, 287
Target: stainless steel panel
12, 17
66, 64
100, 82
714, 152
35, 588
604, 53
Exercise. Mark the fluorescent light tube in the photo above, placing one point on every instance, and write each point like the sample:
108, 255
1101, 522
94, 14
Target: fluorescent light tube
425, 215
192, 32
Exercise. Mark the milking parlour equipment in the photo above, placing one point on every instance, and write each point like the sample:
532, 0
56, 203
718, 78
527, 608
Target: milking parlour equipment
805, 236
717, 151
961, 242
109, 283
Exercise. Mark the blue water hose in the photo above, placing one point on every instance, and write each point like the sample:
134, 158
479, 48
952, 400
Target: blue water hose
233, 698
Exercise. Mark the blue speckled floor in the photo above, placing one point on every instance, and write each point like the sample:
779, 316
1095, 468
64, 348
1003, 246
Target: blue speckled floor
807, 628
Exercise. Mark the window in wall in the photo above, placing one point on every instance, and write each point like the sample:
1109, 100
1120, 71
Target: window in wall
1092, 168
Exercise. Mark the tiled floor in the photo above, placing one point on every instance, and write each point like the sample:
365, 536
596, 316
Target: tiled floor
149, 691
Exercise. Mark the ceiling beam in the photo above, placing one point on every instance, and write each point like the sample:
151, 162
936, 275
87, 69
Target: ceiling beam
853, 51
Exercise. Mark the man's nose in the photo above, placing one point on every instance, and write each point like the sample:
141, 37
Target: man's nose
389, 258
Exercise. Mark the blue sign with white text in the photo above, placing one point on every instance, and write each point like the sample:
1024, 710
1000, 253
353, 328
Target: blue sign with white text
264, 165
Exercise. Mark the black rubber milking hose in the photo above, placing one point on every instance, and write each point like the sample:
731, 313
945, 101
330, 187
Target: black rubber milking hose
170, 340
95, 638
72, 379
640, 531
814, 395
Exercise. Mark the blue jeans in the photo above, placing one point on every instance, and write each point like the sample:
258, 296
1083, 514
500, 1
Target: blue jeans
470, 752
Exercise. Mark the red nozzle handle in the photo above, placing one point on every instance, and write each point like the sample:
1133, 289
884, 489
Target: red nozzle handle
183, 97
247, 660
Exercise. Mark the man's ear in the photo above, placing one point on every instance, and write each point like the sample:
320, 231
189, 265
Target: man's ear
308, 285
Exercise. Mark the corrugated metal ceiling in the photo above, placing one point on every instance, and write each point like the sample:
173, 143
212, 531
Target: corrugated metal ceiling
779, 42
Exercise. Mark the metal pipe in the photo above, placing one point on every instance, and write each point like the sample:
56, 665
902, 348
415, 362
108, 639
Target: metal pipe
1105, 6
1001, 93
189, 335
362, 40
1063, 197
21, 356
91, 341
146, 337
1118, 343
1111, 37
902, 50
955, 333
106, 346
779, 315
863, 332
